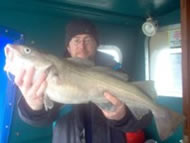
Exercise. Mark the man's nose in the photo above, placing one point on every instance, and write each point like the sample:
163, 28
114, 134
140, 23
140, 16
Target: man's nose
81, 44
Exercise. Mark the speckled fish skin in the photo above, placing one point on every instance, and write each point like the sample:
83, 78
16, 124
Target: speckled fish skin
75, 81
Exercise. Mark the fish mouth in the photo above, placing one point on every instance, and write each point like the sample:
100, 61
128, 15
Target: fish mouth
14, 61
9, 52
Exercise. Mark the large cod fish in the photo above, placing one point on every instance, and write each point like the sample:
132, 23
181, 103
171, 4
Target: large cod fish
76, 81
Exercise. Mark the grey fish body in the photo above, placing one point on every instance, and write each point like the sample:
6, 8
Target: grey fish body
81, 84
76, 81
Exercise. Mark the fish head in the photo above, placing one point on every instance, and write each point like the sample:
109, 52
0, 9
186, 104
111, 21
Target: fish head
21, 57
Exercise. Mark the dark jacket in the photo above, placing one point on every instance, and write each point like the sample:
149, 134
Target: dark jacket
85, 123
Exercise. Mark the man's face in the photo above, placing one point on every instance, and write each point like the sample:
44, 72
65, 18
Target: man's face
82, 46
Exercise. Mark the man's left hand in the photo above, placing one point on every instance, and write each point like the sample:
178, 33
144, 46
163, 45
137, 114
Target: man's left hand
120, 108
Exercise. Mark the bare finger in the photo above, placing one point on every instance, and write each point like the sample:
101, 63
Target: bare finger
28, 79
115, 101
19, 77
36, 85
109, 115
42, 88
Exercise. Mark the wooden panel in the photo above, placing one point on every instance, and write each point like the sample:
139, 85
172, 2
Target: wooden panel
185, 26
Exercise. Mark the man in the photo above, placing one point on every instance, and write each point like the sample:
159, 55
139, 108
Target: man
86, 122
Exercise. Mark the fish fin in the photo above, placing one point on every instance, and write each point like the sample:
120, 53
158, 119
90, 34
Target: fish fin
138, 112
54, 76
56, 80
48, 103
146, 87
111, 72
167, 121
80, 61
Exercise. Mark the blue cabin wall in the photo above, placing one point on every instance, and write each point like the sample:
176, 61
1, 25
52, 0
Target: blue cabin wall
24, 133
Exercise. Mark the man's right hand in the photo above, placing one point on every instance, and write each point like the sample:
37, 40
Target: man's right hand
33, 91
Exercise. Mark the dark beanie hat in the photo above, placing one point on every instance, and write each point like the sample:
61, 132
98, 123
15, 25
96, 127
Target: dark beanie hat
80, 26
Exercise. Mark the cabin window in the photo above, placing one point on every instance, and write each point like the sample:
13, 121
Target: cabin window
165, 61
113, 51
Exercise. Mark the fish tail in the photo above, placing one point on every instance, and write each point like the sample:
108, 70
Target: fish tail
167, 121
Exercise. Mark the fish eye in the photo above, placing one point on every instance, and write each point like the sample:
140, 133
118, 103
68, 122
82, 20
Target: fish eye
27, 50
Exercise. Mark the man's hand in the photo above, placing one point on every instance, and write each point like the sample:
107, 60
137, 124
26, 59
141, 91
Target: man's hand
120, 109
33, 91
